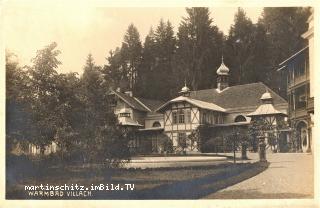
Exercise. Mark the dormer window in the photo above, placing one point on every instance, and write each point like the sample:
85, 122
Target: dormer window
124, 115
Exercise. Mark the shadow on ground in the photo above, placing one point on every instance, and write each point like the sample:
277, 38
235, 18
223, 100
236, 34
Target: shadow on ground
191, 189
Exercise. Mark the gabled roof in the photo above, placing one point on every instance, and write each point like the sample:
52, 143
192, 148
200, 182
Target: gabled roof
265, 109
130, 101
150, 103
141, 104
198, 103
238, 96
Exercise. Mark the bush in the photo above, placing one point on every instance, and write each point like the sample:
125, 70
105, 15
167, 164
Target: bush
168, 146
214, 145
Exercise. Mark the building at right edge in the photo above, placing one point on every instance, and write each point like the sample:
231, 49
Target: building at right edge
299, 69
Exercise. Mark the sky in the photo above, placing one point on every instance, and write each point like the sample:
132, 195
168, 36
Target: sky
80, 30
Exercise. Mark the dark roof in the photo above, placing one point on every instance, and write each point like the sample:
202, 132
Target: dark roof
151, 104
237, 96
140, 104
131, 101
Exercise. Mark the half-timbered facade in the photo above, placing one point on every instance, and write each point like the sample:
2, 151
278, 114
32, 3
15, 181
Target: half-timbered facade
224, 107
183, 115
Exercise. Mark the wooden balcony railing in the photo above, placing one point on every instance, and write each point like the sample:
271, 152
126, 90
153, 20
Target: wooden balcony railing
310, 104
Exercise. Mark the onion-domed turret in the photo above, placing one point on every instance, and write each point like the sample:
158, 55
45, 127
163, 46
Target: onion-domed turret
223, 69
223, 76
185, 91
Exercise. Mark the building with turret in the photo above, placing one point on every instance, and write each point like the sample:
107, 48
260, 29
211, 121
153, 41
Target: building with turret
221, 108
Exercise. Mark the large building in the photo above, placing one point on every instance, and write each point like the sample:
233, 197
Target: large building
299, 71
221, 108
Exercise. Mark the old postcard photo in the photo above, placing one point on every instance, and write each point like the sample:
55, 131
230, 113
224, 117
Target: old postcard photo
207, 102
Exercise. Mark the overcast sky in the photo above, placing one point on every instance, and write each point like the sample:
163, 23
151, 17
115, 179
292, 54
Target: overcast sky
80, 30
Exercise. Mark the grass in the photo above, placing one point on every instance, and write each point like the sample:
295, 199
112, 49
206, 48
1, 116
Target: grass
165, 183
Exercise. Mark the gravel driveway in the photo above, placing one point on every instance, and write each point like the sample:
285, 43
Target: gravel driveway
290, 175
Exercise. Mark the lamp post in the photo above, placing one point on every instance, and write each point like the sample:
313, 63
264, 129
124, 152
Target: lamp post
269, 118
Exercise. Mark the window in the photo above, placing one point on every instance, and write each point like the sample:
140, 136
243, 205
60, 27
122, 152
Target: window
156, 124
216, 118
240, 118
188, 116
124, 115
174, 117
181, 116
182, 140
204, 118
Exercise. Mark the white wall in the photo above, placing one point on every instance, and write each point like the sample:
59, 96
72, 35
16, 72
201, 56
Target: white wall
154, 117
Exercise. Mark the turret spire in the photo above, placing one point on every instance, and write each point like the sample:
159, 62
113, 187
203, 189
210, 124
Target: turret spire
223, 74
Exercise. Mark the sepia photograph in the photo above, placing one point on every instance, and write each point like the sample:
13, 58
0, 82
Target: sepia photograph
159, 103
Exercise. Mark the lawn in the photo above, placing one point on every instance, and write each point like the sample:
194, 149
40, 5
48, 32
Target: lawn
164, 183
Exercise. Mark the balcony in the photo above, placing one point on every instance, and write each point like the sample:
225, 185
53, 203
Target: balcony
298, 113
310, 104
298, 81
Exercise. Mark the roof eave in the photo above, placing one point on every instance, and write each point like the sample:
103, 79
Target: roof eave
294, 55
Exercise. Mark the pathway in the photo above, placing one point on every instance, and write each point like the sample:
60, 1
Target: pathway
290, 175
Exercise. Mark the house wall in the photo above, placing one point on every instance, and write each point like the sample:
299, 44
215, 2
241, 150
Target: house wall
134, 114
197, 117
138, 116
151, 118
172, 130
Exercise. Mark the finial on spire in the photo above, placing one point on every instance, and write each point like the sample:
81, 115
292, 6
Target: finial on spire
185, 91
222, 58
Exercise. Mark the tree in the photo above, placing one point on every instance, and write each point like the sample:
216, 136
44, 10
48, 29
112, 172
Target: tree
124, 63
284, 26
113, 72
199, 46
100, 137
131, 55
156, 66
69, 111
18, 110
238, 138
44, 97
239, 49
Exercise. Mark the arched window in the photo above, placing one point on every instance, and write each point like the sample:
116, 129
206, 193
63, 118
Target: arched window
240, 118
156, 124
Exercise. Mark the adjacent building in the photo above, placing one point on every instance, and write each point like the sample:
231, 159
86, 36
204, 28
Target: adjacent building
299, 70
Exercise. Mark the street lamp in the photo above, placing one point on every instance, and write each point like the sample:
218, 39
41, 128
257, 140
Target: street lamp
269, 119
